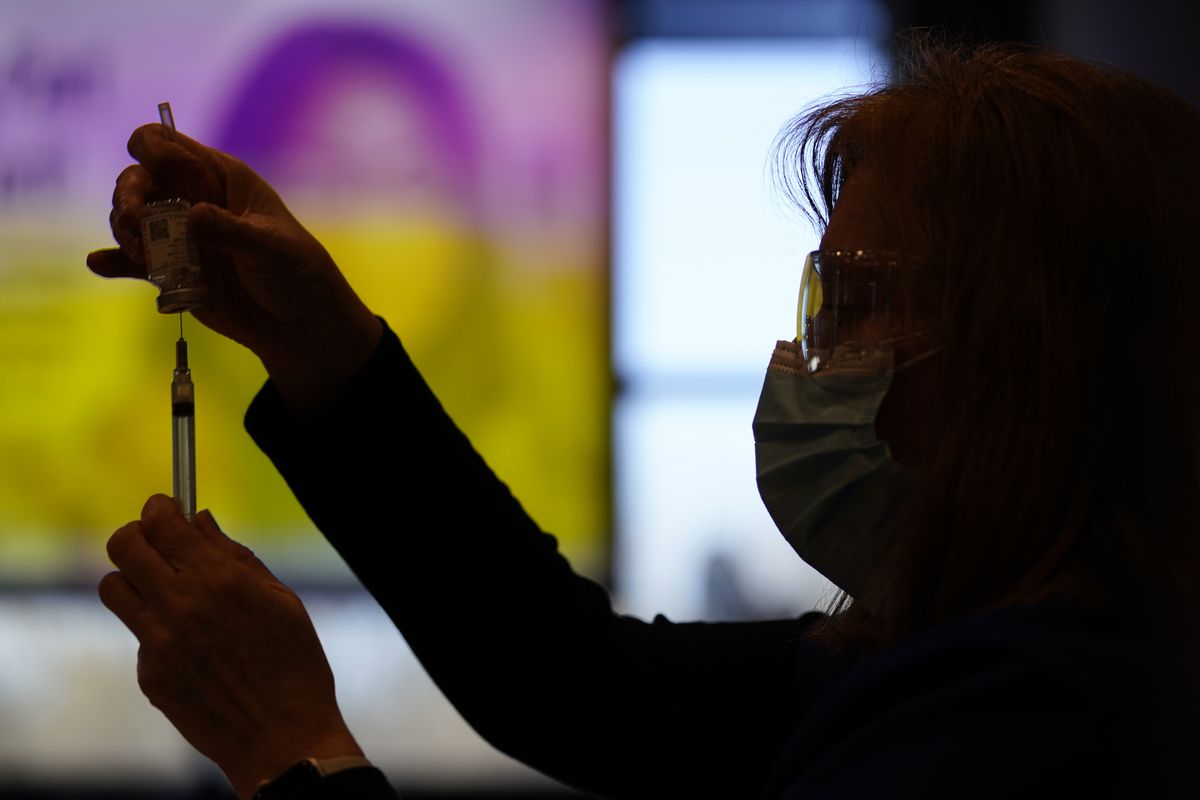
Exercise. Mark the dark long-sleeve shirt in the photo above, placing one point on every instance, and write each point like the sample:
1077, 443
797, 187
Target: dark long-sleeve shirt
1008, 703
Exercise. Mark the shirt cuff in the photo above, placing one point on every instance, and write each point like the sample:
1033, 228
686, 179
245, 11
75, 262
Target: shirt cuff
389, 370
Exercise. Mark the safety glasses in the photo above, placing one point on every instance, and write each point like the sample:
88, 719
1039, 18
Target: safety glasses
855, 302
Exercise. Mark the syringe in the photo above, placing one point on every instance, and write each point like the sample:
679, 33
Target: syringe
183, 438
183, 404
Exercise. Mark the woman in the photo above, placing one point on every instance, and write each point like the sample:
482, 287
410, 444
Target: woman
1021, 552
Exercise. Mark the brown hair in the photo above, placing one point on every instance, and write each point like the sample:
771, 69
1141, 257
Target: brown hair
1058, 200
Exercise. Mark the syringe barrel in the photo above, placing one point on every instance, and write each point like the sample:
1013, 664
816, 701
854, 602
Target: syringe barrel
183, 457
183, 432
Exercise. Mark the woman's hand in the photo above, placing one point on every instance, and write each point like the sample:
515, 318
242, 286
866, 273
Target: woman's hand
271, 285
227, 652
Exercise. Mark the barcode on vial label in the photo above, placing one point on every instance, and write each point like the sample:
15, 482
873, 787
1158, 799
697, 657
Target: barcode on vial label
158, 229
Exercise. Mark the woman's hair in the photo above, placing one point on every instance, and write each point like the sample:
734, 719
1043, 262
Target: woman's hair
1058, 199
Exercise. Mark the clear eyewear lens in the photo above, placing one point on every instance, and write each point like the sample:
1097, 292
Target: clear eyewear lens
860, 301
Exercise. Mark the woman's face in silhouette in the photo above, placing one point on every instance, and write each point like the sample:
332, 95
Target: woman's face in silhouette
909, 415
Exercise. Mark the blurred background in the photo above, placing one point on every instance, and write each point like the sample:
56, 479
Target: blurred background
564, 208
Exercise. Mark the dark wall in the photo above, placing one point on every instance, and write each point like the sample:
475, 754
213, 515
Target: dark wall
1013, 20
1157, 39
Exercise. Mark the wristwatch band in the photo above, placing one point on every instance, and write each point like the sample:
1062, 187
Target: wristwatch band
302, 779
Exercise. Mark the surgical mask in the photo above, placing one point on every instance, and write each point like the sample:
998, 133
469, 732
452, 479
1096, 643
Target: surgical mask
828, 481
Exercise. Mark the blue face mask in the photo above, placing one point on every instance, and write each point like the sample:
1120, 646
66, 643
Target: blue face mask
827, 480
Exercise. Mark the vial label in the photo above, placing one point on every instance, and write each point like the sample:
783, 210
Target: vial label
172, 256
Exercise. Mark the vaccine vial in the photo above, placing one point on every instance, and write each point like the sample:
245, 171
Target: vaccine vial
172, 255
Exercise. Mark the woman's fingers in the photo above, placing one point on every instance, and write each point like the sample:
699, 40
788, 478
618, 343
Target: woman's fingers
227, 232
183, 163
133, 186
174, 538
141, 564
121, 598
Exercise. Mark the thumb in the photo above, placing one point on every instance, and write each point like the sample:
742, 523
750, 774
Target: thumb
167, 531
222, 230
112, 263
205, 523
208, 526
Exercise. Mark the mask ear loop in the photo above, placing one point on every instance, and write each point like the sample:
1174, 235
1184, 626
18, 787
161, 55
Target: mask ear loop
918, 359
